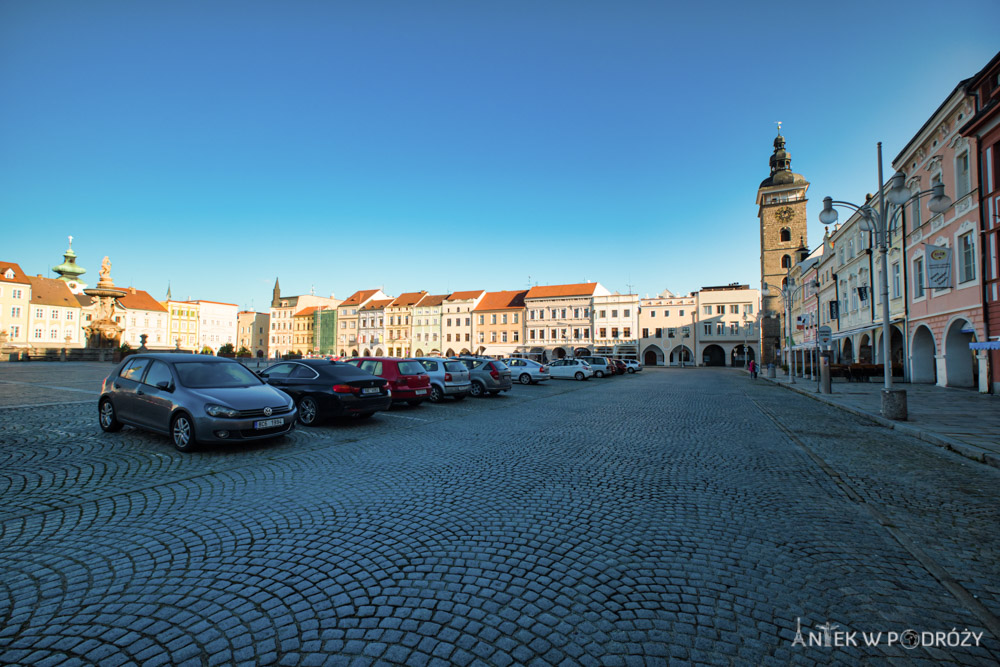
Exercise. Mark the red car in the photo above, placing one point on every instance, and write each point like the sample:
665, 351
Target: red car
620, 367
407, 378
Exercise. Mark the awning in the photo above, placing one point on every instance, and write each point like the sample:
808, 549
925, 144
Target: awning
991, 345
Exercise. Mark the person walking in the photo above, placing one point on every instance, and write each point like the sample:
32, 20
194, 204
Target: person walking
753, 369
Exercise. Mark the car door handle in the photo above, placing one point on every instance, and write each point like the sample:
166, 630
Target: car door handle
117, 386
140, 392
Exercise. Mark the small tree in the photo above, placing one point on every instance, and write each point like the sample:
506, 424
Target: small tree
206, 350
243, 352
227, 349
125, 347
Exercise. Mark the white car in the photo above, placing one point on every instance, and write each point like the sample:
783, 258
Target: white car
632, 366
575, 369
527, 371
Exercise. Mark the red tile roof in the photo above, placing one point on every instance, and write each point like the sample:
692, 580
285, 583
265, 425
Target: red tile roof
359, 297
136, 299
458, 296
19, 276
407, 299
508, 300
376, 305
51, 292
551, 291
309, 311
433, 300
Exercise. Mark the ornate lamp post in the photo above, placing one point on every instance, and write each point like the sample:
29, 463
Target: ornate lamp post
881, 222
787, 294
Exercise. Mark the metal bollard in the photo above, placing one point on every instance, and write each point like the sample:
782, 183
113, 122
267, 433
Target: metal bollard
825, 386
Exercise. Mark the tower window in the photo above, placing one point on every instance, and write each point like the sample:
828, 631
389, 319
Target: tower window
786, 262
786, 234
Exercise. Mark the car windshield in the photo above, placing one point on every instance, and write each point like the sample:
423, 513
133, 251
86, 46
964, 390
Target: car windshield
454, 366
410, 368
203, 374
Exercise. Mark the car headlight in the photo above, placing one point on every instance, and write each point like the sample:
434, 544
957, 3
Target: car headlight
220, 411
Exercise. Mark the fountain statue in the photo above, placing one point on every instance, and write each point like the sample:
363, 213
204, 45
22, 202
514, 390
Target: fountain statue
103, 332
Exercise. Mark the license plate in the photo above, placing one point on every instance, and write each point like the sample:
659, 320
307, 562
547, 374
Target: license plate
268, 423
370, 390
420, 392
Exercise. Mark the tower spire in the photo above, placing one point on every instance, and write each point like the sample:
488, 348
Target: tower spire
169, 298
276, 294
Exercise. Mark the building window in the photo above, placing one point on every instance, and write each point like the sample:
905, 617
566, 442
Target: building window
708, 310
602, 332
967, 269
786, 261
708, 329
918, 278
962, 185
39, 313
895, 280
786, 234
645, 333
720, 328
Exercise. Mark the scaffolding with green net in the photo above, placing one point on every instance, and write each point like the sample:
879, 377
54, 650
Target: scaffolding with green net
325, 331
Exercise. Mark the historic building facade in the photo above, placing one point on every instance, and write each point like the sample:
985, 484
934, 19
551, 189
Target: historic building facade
399, 322
498, 323
558, 319
942, 251
456, 321
348, 327
781, 210
371, 328
427, 325
142, 314
667, 332
983, 131
252, 332
282, 318
15, 301
615, 327
726, 327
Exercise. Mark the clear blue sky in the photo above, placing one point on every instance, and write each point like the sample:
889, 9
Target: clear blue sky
447, 145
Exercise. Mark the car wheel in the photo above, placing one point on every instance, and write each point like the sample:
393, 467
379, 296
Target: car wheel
415, 402
182, 433
477, 389
631, 370
599, 374
524, 379
436, 394
308, 412
459, 397
107, 417
579, 375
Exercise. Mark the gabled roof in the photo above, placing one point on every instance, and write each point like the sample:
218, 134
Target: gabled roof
407, 299
309, 311
507, 300
376, 305
359, 297
550, 291
136, 299
459, 296
51, 292
85, 300
18, 278
433, 300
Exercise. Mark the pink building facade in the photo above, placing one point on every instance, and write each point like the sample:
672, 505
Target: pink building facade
944, 319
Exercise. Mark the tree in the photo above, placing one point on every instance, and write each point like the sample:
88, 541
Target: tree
243, 352
227, 349
206, 350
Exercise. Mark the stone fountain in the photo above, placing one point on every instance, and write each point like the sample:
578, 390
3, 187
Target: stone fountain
103, 332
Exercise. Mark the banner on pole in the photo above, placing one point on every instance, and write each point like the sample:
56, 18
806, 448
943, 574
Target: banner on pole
938, 266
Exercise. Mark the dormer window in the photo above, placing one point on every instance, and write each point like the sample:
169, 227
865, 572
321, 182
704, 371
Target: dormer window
9, 274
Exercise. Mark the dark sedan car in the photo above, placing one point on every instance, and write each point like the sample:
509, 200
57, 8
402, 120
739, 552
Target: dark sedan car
193, 398
323, 388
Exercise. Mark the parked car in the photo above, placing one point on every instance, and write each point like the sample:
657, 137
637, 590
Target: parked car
527, 371
619, 366
632, 366
577, 369
602, 366
407, 378
324, 389
489, 376
448, 378
193, 398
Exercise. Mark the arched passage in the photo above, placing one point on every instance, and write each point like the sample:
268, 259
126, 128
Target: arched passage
679, 354
450, 353
419, 353
652, 356
367, 352
713, 355
559, 353
961, 368
741, 355
923, 366
847, 353
865, 350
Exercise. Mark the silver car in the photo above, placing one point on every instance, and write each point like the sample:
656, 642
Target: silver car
527, 371
193, 398
448, 378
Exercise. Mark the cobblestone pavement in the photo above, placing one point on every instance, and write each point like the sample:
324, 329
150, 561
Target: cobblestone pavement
686, 516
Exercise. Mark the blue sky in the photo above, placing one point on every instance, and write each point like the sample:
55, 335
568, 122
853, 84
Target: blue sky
446, 145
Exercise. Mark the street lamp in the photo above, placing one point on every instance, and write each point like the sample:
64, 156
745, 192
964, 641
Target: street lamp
787, 294
879, 222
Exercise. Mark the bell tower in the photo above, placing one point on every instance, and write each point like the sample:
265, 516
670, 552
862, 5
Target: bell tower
781, 209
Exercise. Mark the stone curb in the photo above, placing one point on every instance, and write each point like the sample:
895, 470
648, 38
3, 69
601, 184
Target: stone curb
973, 452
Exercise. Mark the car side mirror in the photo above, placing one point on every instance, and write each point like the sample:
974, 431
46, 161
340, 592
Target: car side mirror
165, 385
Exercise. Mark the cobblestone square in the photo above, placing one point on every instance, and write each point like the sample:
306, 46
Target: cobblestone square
687, 516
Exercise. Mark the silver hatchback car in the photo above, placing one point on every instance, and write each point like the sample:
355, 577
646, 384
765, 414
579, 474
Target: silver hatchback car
193, 398
448, 378
527, 371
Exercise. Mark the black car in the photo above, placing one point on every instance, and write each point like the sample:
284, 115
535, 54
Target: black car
323, 388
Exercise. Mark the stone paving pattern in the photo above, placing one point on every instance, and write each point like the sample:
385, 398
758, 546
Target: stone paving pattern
648, 519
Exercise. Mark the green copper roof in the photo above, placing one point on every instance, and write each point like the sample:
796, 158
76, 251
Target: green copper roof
69, 270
